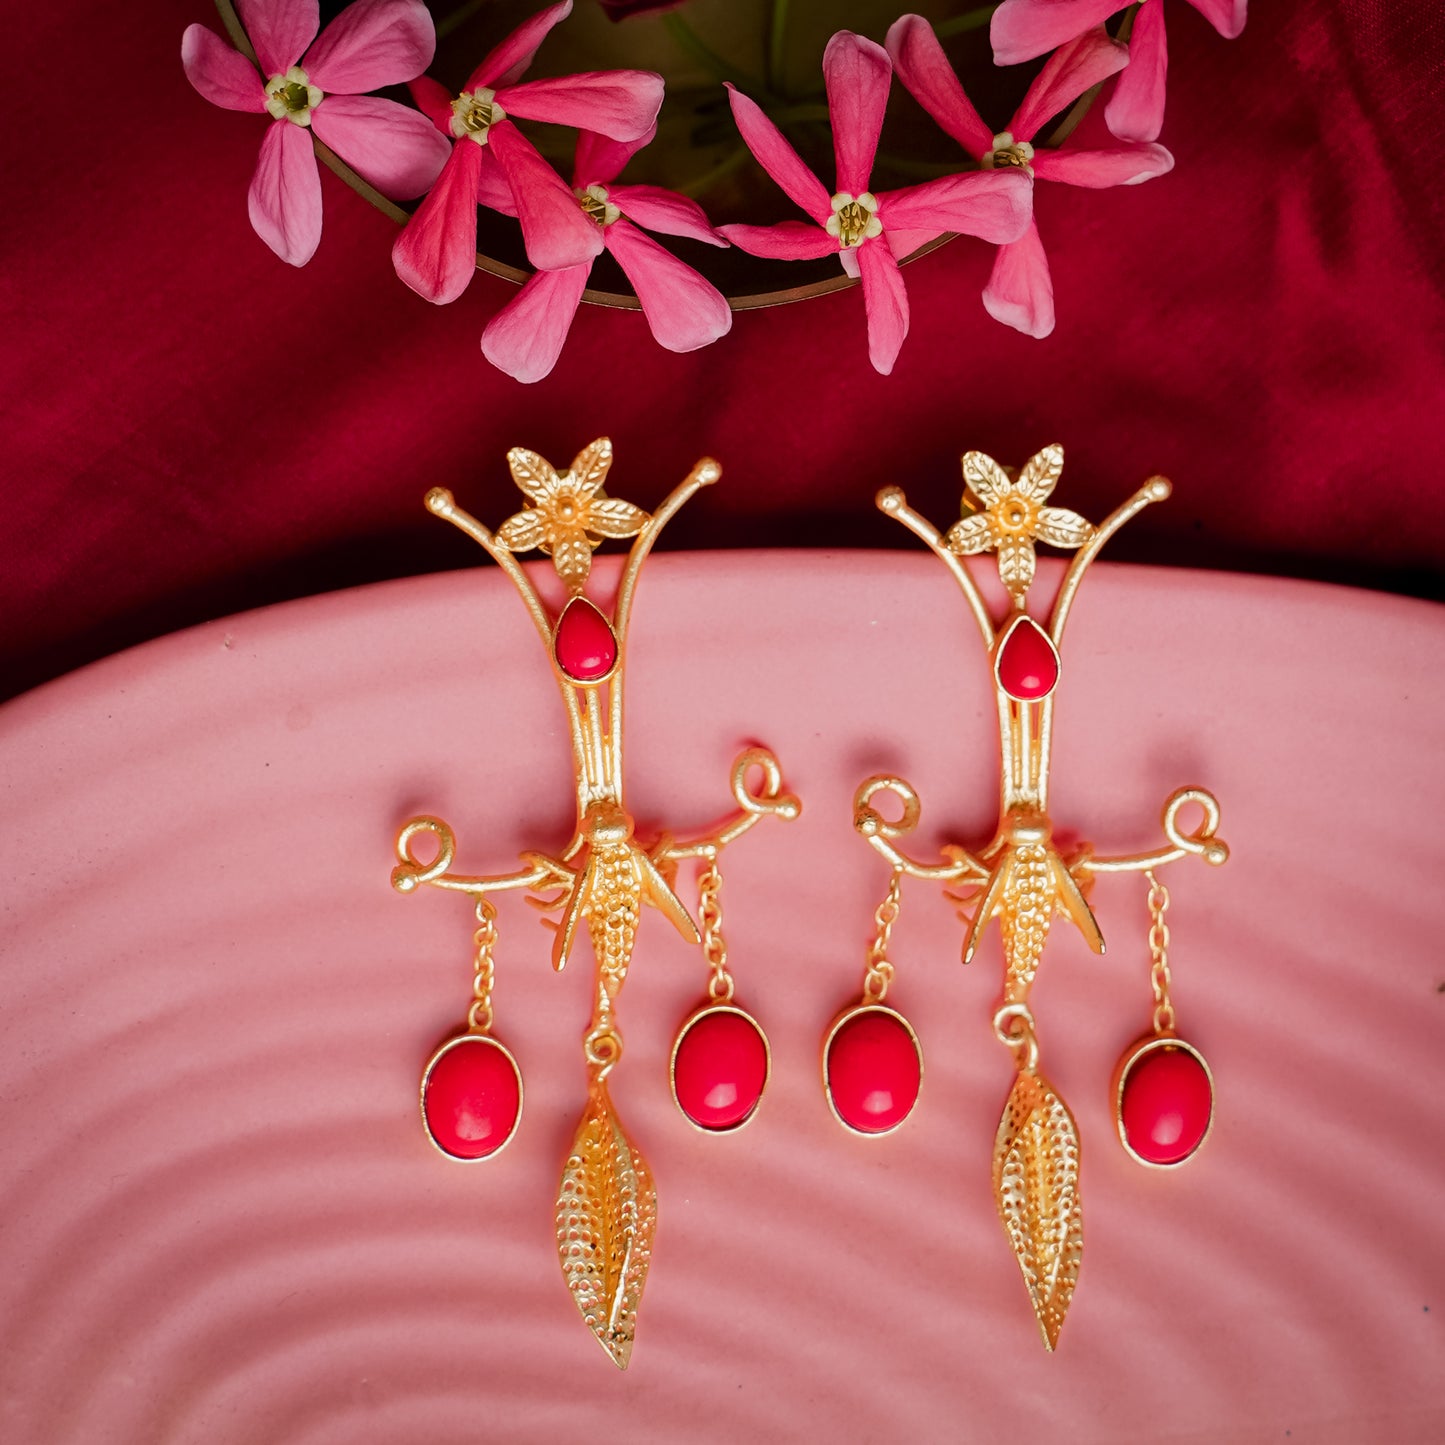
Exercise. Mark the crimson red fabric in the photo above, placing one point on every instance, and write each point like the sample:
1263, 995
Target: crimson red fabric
192, 427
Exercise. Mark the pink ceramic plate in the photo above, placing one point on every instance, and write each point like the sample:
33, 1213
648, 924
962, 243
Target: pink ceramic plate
220, 1218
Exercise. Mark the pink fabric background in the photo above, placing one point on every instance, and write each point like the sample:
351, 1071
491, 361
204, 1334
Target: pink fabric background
220, 1223
191, 427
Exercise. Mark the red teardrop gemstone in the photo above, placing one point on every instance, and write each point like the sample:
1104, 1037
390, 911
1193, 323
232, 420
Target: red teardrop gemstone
1165, 1104
584, 644
719, 1068
873, 1070
1028, 666
471, 1097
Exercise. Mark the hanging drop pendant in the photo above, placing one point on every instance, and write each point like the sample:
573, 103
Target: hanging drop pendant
471, 1098
606, 1219
1036, 1184
1026, 662
872, 1069
1163, 1095
721, 1063
584, 643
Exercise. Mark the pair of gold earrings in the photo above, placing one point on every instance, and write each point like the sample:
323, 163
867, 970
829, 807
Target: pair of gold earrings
606, 1206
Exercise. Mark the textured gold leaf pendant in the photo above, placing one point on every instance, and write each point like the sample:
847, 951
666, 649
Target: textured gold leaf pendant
1036, 1183
606, 1218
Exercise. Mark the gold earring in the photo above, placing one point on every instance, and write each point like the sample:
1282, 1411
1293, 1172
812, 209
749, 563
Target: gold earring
606, 1205
1022, 878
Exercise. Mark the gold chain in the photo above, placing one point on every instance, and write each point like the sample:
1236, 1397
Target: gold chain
880, 971
479, 1016
714, 949
1159, 952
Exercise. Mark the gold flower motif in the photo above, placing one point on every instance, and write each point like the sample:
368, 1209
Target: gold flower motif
570, 514
1014, 516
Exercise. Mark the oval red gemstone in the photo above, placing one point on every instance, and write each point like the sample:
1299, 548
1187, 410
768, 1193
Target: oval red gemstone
873, 1071
1027, 666
719, 1068
584, 644
1166, 1102
472, 1097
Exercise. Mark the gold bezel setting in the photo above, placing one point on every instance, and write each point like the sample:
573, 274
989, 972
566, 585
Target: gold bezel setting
1141, 1049
437, 1056
848, 1014
696, 1017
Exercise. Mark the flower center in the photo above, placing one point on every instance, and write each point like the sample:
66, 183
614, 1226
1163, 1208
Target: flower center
292, 96
474, 113
854, 219
566, 508
1015, 515
1007, 152
595, 202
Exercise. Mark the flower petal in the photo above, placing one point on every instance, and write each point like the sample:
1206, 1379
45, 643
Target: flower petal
1040, 474
857, 73
985, 478
506, 63
1023, 29
1062, 528
787, 241
224, 76
1020, 292
925, 72
285, 196
1125, 165
600, 159
1136, 109
492, 188
279, 31
557, 232
436, 252
972, 535
904, 243
394, 147
434, 101
1071, 70
779, 160
571, 556
1227, 16
522, 531
533, 473
370, 44
664, 211
683, 310
1016, 563
886, 301
612, 517
590, 466
995, 205
620, 104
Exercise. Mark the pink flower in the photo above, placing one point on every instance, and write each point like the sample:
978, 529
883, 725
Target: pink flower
493, 164
370, 44
868, 232
683, 310
1020, 293
1023, 29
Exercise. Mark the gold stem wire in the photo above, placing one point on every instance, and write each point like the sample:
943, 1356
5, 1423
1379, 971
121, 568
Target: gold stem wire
704, 474
892, 501
441, 503
1156, 489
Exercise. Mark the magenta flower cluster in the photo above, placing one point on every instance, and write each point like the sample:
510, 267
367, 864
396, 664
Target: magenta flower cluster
465, 150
